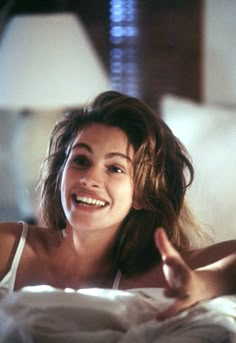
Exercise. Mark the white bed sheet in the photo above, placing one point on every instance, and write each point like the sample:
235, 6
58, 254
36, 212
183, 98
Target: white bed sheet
97, 315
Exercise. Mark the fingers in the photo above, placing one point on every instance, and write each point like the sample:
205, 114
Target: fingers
175, 270
170, 256
171, 311
178, 275
178, 278
163, 243
175, 309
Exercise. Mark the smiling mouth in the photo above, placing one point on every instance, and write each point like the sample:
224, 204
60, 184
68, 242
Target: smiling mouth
89, 201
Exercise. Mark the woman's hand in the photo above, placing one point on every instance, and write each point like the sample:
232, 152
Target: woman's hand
188, 286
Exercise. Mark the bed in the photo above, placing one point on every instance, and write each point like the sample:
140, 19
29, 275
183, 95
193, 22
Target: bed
45, 314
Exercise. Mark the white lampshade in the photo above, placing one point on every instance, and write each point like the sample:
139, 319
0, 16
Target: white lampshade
48, 62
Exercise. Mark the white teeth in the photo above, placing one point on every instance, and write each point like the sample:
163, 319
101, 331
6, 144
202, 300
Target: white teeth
90, 201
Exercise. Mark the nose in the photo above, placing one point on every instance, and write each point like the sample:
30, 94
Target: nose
91, 177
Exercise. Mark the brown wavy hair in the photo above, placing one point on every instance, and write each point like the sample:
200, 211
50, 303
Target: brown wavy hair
162, 173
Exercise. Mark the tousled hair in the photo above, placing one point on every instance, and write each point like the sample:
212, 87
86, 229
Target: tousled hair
162, 173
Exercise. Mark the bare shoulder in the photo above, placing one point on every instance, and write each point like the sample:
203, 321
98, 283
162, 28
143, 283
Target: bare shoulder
9, 236
9, 232
36, 250
201, 257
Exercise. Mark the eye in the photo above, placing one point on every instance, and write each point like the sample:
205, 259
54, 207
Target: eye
81, 161
115, 169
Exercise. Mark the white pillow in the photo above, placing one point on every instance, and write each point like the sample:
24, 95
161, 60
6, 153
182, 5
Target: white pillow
209, 133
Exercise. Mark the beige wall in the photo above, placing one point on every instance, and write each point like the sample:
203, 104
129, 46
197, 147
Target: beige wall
219, 52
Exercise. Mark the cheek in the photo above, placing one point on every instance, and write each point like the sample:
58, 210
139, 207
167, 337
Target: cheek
63, 184
64, 175
125, 192
62, 193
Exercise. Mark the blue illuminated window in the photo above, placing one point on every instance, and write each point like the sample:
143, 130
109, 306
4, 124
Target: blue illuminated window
124, 39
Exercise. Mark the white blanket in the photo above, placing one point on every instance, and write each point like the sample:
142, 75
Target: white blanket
49, 315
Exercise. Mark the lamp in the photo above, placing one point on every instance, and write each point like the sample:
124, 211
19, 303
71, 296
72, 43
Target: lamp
47, 63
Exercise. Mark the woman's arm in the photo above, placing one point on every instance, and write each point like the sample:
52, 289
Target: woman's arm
215, 273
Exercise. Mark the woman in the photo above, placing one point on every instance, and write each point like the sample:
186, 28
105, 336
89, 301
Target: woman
114, 174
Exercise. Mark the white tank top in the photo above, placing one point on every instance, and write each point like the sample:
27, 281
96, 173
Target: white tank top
7, 284
116, 283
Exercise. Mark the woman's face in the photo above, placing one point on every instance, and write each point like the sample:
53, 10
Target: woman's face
97, 183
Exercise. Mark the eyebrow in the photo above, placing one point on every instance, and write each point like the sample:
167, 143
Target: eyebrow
109, 155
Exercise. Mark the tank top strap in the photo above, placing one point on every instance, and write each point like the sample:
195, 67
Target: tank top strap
19, 250
117, 279
7, 284
9, 280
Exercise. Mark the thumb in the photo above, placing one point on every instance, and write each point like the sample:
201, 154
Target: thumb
177, 275
175, 270
163, 244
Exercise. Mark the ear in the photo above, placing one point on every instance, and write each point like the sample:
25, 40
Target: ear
136, 205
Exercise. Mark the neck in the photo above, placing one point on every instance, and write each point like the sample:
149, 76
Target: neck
83, 260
